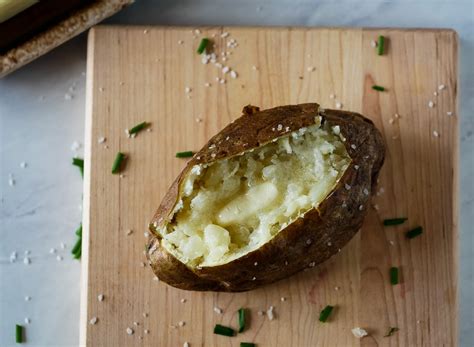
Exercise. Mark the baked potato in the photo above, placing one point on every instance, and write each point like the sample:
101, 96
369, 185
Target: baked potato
275, 192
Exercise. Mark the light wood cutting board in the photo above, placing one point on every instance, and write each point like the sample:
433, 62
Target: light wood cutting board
137, 73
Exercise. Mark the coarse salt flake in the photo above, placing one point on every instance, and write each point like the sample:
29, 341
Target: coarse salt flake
431, 104
93, 321
217, 310
100, 297
270, 313
129, 331
75, 146
359, 332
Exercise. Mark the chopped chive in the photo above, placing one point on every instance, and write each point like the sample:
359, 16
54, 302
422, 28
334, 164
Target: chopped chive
78, 254
185, 154
324, 315
378, 88
380, 45
391, 331
247, 344
19, 333
203, 45
394, 221
241, 319
414, 233
79, 231
394, 275
222, 330
139, 127
79, 163
118, 162
77, 246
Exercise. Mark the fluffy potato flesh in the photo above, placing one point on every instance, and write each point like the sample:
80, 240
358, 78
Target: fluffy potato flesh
235, 205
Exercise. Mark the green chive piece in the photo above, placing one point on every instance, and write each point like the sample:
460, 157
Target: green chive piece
378, 88
394, 221
414, 233
222, 330
381, 45
118, 162
247, 344
203, 45
77, 246
324, 315
185, 154
139, 127
394, 275
241, 319
79, 163
79, 231
78, 254
391, 331
19, 334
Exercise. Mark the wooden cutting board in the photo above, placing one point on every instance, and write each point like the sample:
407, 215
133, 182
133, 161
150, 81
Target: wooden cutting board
140, 74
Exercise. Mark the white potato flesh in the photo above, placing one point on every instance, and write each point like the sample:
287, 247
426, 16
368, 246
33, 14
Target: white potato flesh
233, 206
253, 201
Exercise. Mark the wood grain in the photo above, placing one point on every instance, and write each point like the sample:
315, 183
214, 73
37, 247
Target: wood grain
138, 73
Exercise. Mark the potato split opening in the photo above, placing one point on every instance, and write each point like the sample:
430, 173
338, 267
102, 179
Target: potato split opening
233, 206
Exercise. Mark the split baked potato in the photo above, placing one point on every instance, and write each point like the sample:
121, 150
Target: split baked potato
275, 192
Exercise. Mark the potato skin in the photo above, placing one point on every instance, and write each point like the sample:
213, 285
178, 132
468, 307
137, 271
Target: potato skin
308, 241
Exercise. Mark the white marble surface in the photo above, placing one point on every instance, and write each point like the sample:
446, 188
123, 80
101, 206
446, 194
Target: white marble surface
38, 126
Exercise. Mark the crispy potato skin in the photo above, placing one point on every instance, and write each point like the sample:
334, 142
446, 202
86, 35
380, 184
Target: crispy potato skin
311, 239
